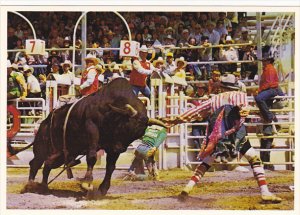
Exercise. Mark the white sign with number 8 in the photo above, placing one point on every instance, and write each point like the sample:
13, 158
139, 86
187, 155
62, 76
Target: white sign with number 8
129, 48
35, 47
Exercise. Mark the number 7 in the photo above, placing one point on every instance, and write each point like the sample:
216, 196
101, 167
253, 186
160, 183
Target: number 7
33, 45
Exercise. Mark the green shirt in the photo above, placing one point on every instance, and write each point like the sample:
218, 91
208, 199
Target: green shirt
154, 136
12, 85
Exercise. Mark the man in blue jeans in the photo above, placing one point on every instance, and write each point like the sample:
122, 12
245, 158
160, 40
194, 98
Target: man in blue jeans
268, 87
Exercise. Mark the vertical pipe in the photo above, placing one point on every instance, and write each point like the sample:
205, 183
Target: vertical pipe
83, 37
182, 142
74, 39
259, 44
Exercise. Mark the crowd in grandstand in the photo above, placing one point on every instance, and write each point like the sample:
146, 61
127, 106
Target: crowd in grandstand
158, 33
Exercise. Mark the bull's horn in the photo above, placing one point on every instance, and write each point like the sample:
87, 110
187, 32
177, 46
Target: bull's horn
128, 110
132, 110
152, 121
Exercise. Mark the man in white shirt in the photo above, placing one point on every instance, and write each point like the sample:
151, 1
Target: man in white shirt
33, 85
229, 54
170, 64
67, 77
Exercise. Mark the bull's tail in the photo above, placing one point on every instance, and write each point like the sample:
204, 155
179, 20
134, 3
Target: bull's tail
14, 152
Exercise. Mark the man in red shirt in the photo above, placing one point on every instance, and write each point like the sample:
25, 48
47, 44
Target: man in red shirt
141, 69
268, 87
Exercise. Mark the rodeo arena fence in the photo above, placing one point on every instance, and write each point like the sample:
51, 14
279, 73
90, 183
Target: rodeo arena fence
168, 100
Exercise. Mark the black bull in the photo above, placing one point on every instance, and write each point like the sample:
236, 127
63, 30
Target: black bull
109, 119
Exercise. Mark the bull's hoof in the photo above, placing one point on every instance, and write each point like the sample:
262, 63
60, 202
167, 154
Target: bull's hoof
87, 186
183, 196
103, 190
34, 187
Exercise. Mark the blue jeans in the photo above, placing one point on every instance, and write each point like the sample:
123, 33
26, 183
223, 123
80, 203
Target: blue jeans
144, 90
262, 99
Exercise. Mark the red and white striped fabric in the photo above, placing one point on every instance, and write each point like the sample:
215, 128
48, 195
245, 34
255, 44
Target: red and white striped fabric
235, 98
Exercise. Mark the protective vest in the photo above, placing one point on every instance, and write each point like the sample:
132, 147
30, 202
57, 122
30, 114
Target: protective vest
138, 79
93, 87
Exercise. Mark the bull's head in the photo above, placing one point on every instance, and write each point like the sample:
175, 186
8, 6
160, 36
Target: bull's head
130, 111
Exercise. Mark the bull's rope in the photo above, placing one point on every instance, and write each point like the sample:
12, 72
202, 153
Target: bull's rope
65, 128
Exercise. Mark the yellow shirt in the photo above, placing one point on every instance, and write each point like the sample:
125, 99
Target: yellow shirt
180, 73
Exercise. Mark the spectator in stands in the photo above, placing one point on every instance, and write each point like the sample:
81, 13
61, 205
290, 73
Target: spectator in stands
54, 72
15, 84
89, 79
146, 34
214, 83
180, 75
229, 54
67, 77
169, 31
268, 87
221, 29
140, 71
205, 54
67, 54
225, 20
139, 38
170, 64
211, 33
184, 39
250, 54
197, 34
243, 39
168, 41
239, 84
33, 85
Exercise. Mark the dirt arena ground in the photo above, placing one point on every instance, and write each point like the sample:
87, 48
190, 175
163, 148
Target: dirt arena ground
220, 190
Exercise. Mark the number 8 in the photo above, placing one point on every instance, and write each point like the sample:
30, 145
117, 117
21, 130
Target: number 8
127, 49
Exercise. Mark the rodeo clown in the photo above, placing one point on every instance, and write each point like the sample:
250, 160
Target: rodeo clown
227, 123
145, 152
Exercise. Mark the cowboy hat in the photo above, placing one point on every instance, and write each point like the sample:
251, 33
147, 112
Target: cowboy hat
169, 29
229, 81
26, 68
159, 60
68, 38
143, 48
181, 59
185, 31
229, 39
66, 62
169, 54
110, 33
92, 58
266, 54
